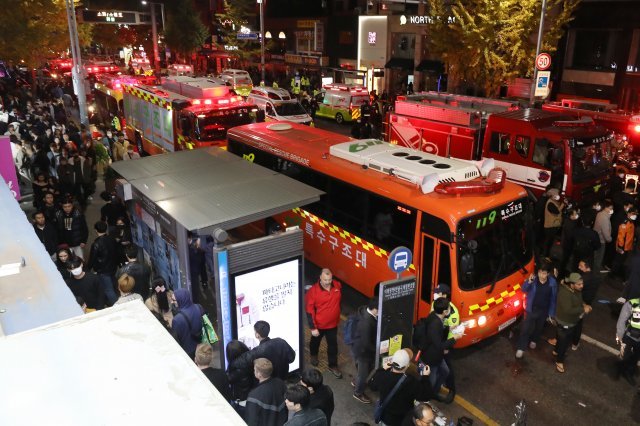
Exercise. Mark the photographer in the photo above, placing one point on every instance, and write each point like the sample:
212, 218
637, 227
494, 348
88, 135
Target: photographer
411, 389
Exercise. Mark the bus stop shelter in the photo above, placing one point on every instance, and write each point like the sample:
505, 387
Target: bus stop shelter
209, 194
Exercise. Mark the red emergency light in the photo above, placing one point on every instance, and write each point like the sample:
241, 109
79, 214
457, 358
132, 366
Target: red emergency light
494, 182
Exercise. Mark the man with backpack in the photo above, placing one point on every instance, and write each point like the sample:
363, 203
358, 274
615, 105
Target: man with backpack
187, 323
363, 337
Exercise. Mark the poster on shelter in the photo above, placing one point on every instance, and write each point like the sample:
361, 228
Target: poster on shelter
395, 316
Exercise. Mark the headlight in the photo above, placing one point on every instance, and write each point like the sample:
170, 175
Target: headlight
482, 320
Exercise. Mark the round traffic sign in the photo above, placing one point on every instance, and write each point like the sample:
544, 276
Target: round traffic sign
543, 61
400, 259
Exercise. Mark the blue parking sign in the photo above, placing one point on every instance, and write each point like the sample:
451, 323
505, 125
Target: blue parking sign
400, 259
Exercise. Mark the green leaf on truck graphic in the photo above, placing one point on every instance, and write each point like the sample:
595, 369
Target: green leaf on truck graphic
361, 146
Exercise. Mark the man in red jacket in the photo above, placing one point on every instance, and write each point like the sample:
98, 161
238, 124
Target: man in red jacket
323, 314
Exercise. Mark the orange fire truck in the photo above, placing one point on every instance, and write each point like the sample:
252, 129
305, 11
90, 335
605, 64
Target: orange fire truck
535, 147
182, 113
608, 115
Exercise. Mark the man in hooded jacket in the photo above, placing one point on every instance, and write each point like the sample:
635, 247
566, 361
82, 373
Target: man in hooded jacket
187, 324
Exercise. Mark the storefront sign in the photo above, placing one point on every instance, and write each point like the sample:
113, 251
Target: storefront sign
319, 37
372, 37
314, 61
306, 23
423, 19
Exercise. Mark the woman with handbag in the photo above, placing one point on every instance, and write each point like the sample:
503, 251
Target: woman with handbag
398, 390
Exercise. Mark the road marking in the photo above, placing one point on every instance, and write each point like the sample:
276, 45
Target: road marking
475, 411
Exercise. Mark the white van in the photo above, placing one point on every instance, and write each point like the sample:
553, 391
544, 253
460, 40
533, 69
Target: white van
278, 105
239, 80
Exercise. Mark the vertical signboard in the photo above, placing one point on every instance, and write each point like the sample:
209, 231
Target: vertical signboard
395, 317
8, 168
224, 301
271, 293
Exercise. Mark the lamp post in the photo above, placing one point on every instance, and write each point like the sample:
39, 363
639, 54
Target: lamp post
77, 72
154, 30
538, 45
260, 2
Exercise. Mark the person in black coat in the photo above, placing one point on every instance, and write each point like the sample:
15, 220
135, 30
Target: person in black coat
276, 350
85, 285
46, 232
585, 242
72, 227
217, 377
433, 342
103, 259
321, 394
265, 402
364, 348
140, 272
239, 370
412, 389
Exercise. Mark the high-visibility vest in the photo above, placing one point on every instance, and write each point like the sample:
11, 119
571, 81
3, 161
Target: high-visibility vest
275, 85
634, 319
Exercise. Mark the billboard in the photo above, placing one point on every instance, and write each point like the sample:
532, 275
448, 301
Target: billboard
395, 317
273, 294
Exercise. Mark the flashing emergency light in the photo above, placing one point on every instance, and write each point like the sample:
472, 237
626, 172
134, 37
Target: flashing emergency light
482, 321
636, 128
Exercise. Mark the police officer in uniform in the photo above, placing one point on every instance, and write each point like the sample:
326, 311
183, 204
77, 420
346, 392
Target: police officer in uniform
628, 337
451, 322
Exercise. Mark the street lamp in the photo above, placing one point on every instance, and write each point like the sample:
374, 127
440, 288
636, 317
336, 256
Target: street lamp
154, 30
260, 2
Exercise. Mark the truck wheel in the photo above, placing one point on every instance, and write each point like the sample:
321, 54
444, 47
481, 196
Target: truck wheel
339, 118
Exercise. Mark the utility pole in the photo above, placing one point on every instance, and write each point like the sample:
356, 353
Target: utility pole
77, 71
261, 2
539, 44
154, 30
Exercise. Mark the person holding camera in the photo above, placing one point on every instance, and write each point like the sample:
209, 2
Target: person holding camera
397, 399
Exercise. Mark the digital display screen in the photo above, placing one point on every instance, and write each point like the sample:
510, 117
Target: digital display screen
271, 294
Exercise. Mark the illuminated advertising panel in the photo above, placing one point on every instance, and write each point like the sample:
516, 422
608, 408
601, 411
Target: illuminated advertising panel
270, 293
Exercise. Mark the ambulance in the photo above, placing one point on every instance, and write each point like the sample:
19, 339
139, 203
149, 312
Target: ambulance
239, 80
180, 69
278, 105
182, 113
341, 102
108, 96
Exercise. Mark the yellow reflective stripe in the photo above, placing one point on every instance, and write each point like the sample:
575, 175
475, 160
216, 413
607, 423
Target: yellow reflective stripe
493, 301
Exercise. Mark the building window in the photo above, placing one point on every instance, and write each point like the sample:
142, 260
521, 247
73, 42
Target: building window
594, 50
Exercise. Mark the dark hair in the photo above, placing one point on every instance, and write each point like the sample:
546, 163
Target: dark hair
586, 262
608, 203
298, 394
546, 266
440, 305
312, 377
34, 214
235, 348
161, 297
373, 303
101, 226
262, 328
74, 262
105, 195
132, 251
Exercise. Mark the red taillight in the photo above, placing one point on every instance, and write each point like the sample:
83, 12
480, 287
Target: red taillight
494, 182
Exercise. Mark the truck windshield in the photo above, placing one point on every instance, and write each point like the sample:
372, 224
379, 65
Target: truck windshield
494, 244
289, 108
591, 158
213, 125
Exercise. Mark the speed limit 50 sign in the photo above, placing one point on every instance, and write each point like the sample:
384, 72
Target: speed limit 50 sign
543, 61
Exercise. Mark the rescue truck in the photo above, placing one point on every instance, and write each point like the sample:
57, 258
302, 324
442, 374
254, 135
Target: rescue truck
182, 113
535, 147
108, 97
180, 69
608, 115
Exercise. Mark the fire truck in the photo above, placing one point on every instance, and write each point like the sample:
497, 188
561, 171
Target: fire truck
107, 95
182, 113
624, 124
535, 147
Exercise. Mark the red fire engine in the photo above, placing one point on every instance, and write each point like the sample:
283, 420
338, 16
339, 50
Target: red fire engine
182, 113
607, 115
535, 147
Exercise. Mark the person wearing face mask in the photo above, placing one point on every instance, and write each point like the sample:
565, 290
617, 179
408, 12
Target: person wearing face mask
602, 226
552, 219
85, 284
624, 242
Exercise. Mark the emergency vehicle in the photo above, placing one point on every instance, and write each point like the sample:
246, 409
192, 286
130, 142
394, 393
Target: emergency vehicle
108, 96
141, 66
535, 147
239, 80
608, 115
180, 69
469, 232
181, 113
341, 102
278, 105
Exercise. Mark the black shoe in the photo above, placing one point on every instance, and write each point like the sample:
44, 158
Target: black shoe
314, 361
336, 372
362, 398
